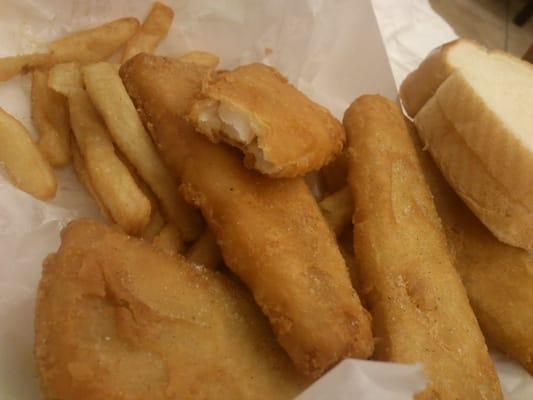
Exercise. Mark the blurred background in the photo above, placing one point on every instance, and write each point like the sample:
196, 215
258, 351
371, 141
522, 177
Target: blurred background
412, 28
504, 24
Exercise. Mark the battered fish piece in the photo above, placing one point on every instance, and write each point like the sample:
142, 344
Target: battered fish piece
270, 231
118, 319
281, 132
498, 277
419, 306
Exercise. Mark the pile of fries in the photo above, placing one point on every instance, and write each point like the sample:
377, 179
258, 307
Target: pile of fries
84, 115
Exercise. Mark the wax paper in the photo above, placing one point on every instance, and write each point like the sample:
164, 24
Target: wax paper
332, 50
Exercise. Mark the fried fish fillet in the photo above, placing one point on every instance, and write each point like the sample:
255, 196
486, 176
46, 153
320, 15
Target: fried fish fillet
498, 277
270, 231
419, 307
281, 131
118, 319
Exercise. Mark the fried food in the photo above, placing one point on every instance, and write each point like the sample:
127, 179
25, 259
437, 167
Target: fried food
281, 132
419, 307
85, 47
25, 164
169, 240
157, 222
337, 208
83, 177
118, 319
14, 65
116, 108
205, 251
111, 181
315, 183
334, 174
154, 29
49, 112
498, 277
201, 58
270, 231
94, 44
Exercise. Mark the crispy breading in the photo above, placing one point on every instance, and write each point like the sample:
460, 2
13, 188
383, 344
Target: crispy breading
498, 277
419, 307
280, 130
118, 319
270, 231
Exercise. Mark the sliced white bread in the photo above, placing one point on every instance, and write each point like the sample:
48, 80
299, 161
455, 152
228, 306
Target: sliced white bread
506, 211
420, 85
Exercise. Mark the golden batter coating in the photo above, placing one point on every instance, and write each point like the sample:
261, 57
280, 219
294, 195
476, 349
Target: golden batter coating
270, 231
498, 277
118, 319
280, 130
419, 307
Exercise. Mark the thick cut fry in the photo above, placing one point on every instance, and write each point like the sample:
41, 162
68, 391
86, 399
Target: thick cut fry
270, 231
169, 240
202, 58
498, 277
157, 222
88, 46
338, 209
95, 44
49, 111
112, 101
12, 66
117, 319
110, 178
65, 78
154, 29
419, 307
205, 251
112, 181
83, 177
23, 161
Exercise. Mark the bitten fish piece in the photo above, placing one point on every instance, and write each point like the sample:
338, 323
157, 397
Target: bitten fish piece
281, 131
270, 231
118, 319
419, 307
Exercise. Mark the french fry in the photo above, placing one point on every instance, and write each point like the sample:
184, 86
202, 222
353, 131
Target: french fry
65, 78
111, 180
154, 29
23, 161
115, 106
338, 209
201, 58
83, 177
205, 251
12, 66
87, 46
49, 111
157, 222
95, 44
169, 240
